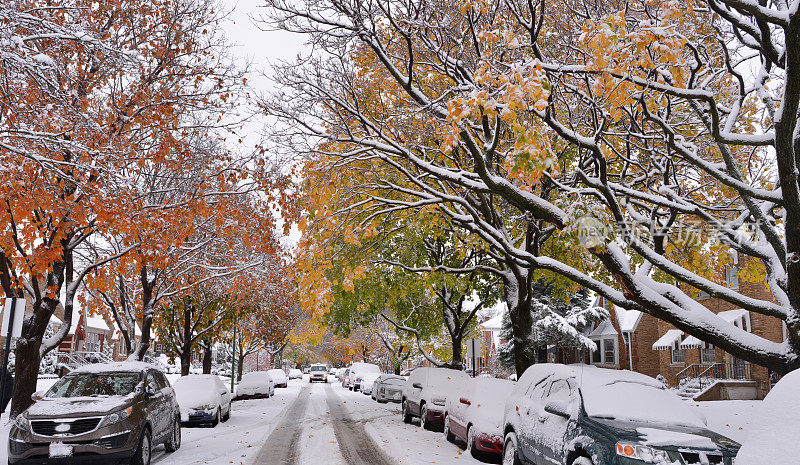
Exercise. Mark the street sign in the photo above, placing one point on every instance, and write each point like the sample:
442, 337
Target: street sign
19, 312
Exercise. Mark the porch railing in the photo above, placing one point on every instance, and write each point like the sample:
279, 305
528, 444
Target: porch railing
708, 374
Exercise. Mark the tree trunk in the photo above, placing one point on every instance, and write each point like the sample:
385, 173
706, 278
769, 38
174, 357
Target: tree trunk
458, 355
239, 366
186, 361
516, 291
207, 358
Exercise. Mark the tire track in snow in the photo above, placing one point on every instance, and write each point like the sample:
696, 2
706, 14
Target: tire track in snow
354, 442
281, 447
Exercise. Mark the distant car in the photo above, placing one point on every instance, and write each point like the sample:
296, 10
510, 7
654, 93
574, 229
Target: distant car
279, 377
103, 412
582, 414
425, 394
318, 372
775, 427
357, 370
367, 381
388, 388
475, 415
203, 399
294, 373
255, 384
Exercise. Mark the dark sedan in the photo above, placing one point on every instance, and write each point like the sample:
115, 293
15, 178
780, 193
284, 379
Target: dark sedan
582, 415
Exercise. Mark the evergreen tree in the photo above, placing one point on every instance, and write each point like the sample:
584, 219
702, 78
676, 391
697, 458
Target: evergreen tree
556, 322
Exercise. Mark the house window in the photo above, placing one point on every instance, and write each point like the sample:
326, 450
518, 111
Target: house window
122, 349
732, 276
708, 355
677, 354
92, 342
606, 352
609, 354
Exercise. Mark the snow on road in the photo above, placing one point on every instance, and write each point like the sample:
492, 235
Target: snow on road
237, 440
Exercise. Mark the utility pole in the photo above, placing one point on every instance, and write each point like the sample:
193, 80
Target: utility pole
233, 358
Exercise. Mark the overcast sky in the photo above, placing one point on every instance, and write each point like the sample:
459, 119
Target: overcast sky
261, 48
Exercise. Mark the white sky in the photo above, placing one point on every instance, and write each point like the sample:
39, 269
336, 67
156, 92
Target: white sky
261, 48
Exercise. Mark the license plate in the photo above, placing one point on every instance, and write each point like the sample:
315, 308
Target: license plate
59, 449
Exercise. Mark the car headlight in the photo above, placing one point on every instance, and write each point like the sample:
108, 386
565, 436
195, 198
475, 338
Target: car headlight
22, 422
115, 417
644, 453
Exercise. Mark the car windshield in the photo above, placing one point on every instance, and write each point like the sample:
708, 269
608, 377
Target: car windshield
318, 368
95, 385
637, 402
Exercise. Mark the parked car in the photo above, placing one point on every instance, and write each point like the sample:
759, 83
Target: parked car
294, 373
425, 394
278, 377
574, 414
774, 429
366, 382
203, 399
388, 388
475, 415
340, 373
359, 369
318, 372
255, 384
110, 412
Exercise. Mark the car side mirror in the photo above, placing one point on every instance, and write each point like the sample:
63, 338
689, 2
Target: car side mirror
417, 385
557, 407
38, 395
148, 392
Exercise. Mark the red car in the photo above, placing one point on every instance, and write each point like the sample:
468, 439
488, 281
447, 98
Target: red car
476, 416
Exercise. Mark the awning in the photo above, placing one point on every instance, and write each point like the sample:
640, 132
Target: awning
668, 340
691, 342
605, 328
735, 317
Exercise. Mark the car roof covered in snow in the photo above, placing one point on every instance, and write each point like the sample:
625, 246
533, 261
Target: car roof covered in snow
115, 367
587, 375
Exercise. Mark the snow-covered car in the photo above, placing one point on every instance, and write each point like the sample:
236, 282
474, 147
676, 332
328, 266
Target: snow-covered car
388, 388
278, 377
366, 382
318, 372
357, 370
475, 414
203, 399
425, 394
101, 411
340, 373
772, 434
255, 384
586, 415
294, 373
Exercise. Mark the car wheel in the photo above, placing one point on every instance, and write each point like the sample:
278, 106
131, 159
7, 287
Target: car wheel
144, 451
215, 421
406, 414
582, 461
471, 443
510, 454
423, 417
174, 441
447, 433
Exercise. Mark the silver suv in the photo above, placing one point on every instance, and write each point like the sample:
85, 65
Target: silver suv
100, 413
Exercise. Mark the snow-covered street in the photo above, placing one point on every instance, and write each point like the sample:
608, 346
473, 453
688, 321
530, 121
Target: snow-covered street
310, 424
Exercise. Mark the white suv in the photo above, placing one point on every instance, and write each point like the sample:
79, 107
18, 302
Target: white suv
318, 372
